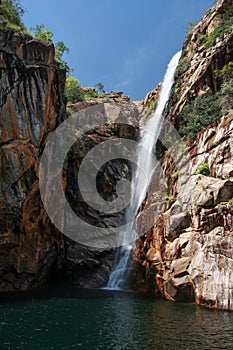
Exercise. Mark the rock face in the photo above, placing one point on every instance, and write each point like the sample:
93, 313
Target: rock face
31, 107
32, 250
187, 254
196, 73
90, 267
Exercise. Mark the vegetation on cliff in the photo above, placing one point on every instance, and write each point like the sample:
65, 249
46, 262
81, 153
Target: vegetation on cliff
206, 108
225, 26
11, 12
208, 97
43, 33
10, 15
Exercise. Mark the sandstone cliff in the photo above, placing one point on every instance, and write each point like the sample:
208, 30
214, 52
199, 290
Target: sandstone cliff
187, 255
86, 266
33, 251
31, 107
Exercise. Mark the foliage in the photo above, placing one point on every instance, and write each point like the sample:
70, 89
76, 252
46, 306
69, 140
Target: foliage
207, 107
175, 173
40, 32
171, 196
11, 12
89, 94
100, 87
73, 91
230, 201
203, 169
224, 27
154, 104
226, 72
60, 50
182, 67
176, 87
199, 113
202, 39
190, 26
225, 96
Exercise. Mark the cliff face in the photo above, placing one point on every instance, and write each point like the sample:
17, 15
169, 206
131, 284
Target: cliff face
206, 50
187, 255
31, 107
89, 267
32, 250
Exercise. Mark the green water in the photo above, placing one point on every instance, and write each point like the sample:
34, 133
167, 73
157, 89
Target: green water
96, 320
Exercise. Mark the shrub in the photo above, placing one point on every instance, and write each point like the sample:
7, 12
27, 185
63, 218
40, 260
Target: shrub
226, 72
203, 169
190, 27
199, 113
224, 27
176, 88
73, 91
182, 67
154, 104
89, 94
100, 87
224, 96
11, 12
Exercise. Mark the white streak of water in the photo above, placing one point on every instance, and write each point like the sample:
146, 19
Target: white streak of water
141, 180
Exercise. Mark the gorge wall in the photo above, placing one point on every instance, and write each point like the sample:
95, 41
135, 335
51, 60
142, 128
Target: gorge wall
187, 254
31, 107
33, 252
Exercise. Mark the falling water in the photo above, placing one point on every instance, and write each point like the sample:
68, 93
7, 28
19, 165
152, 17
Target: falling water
141, 181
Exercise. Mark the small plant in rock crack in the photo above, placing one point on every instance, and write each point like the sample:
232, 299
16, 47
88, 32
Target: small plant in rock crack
203, 169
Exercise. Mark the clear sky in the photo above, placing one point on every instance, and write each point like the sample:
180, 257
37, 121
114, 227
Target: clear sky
124, 44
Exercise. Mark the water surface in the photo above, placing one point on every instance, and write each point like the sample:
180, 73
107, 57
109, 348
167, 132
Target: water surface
100, 319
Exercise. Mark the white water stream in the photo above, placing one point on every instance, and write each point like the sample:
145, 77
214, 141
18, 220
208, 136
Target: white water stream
141, 180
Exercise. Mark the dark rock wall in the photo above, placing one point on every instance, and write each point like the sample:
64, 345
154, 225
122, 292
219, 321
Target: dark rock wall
31, 248
32, 105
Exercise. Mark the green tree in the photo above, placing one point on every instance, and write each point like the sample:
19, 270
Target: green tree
11, 12
100, 87
60, 50
190, 27
40, 32
73, 91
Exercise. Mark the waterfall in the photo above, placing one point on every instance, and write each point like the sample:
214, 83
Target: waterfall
141, 181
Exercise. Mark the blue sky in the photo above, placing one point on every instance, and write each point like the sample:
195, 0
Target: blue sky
124, 44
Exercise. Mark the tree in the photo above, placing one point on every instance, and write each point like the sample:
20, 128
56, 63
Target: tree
73, 91
40, 32
10, 15
60, 50
190, 27
100, 87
